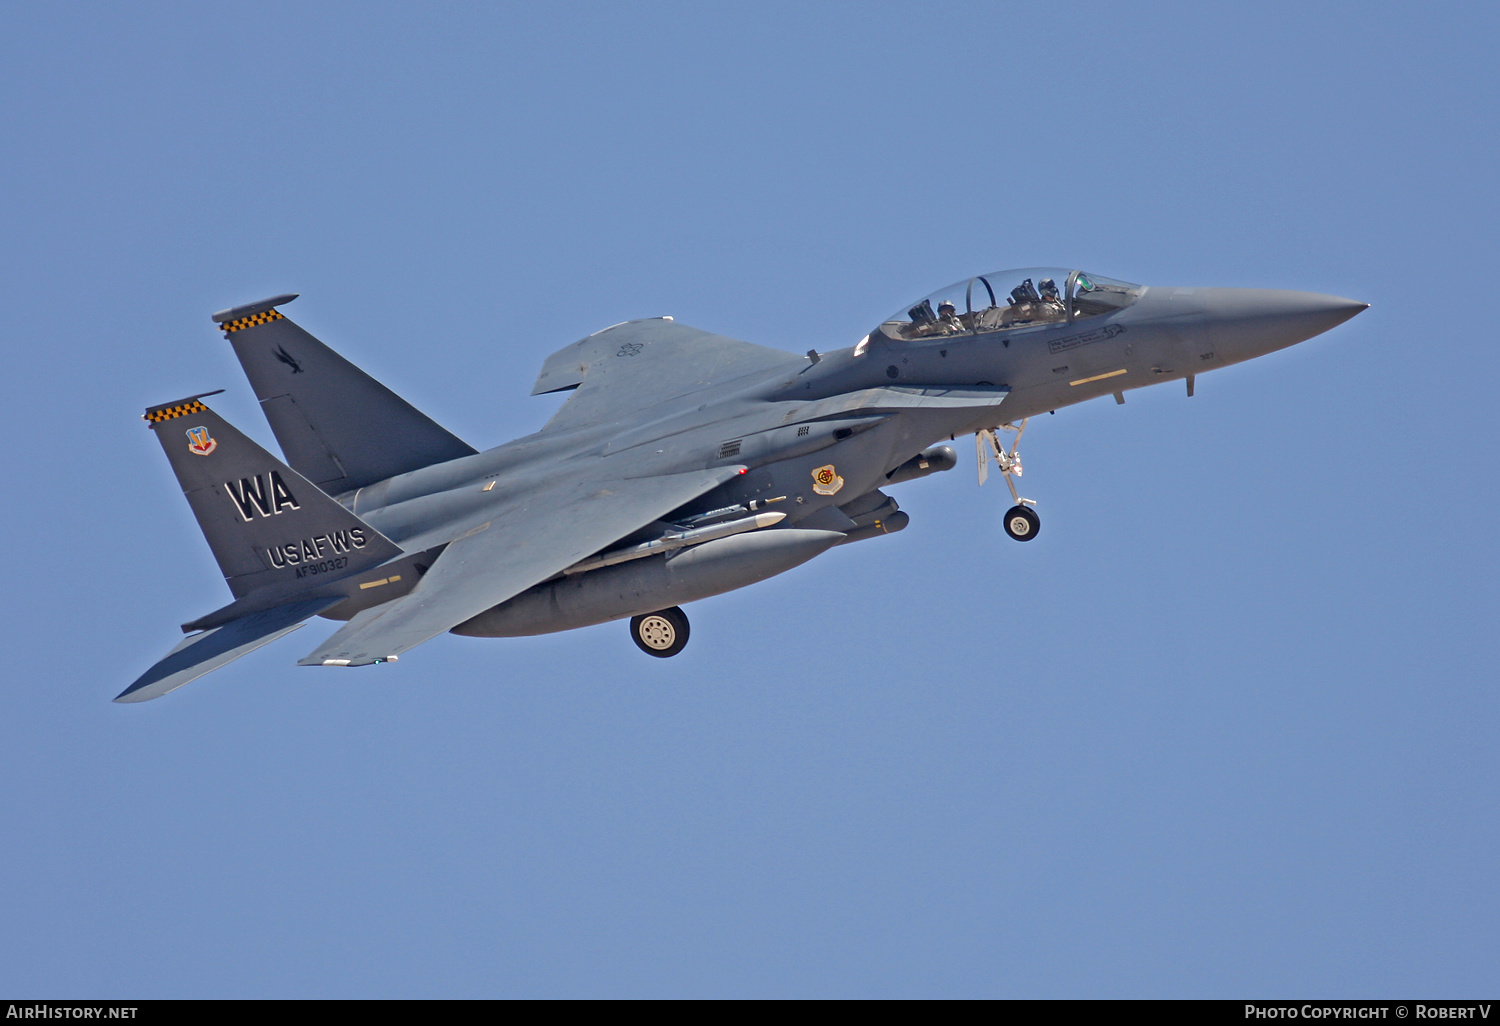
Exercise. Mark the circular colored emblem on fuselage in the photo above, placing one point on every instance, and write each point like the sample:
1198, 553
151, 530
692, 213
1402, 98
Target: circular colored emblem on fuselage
826, 480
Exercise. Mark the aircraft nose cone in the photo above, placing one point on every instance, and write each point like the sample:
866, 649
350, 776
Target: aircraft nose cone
1249, 322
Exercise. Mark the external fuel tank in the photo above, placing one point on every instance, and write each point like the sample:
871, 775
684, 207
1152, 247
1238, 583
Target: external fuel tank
650, 584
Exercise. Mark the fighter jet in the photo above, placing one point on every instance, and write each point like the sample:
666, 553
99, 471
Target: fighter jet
683, 465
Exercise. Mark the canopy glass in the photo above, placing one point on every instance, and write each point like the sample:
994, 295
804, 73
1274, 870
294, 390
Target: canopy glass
1005, 301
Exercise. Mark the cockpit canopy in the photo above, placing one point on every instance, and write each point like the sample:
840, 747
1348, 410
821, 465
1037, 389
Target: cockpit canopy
1005, 301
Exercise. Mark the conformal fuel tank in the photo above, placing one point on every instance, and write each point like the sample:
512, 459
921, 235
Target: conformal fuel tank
646, 585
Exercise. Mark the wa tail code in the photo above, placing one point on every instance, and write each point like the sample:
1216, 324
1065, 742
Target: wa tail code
263, 494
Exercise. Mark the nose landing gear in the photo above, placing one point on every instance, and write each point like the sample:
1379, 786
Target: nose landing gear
1021, 521
661, 634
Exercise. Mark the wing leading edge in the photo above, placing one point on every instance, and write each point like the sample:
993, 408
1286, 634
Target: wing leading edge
545, 531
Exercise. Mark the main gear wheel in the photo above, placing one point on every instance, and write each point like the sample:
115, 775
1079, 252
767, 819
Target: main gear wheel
661, 634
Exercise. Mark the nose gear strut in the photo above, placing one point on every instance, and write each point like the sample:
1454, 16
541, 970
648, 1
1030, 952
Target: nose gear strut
1021, 521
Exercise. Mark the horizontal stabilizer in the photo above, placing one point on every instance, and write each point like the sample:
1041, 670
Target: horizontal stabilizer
211, 649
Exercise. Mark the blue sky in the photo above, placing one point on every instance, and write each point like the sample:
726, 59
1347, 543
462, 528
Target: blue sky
1226, 728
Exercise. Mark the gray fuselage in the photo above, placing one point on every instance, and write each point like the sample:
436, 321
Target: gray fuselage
790, 422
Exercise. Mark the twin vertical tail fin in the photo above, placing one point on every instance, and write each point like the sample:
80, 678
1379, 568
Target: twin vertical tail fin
268, 526
338, 426
278, 538
286, 547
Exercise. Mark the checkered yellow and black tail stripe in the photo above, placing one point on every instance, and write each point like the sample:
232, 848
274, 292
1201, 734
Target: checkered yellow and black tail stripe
180, 408
264, 317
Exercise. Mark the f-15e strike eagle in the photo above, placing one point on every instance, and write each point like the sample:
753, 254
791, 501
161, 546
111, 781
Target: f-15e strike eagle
685, 464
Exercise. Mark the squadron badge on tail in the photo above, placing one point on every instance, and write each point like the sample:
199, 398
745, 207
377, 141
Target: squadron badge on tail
200, 442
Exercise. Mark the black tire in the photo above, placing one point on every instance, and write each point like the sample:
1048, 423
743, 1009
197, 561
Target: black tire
662, 633
1022, 523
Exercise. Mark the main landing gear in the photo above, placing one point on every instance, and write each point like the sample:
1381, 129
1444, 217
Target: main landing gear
661, 634
1021, 521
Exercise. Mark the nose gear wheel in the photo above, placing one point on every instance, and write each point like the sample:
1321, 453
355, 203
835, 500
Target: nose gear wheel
1022, 523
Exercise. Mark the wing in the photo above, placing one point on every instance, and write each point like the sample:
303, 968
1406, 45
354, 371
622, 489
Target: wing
641, 364
535, 537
